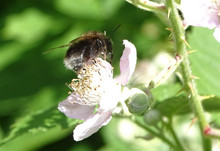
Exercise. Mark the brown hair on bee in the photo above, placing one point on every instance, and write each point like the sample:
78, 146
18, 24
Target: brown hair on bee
88, 46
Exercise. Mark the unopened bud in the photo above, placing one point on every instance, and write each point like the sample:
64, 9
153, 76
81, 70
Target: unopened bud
138, 103
152, 117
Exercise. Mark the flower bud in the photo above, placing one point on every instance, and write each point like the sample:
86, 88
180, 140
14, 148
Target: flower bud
138, 103
152, 117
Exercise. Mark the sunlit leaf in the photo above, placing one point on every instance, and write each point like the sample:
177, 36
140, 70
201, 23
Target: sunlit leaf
39, 122
182, 105
30, 141
166, 91
206, 60
174, 105
88, 8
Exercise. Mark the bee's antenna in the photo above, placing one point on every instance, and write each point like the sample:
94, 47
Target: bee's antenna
114, 31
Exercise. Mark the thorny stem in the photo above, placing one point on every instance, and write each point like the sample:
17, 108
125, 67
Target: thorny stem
165, 73
180, 45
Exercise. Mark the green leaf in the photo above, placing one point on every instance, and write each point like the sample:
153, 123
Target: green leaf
181, 105
39, 122
88, 8
212, 104
206, 60
165, 91
30, 141
174, 105
19, 26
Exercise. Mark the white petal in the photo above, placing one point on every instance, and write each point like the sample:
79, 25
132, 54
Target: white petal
200, 13
111, 97
74, 110
217, 34
127, 62
92, 125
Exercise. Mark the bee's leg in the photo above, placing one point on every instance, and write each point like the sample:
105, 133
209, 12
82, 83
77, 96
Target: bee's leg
94, 61
104, 56
111, 57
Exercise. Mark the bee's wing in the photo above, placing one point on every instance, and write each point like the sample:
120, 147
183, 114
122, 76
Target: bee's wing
79, 39
69, 44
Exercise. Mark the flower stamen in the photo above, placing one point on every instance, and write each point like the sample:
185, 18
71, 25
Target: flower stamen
90, 86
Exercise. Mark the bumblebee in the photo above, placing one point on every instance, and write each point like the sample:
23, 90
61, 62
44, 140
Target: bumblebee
88, 46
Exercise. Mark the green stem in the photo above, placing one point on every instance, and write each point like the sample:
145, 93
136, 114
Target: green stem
170, 125
148, 5
158, 135
180, 45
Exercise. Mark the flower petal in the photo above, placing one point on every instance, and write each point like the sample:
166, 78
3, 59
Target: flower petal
127, 62
216, 34
91, 125
111, 97
202, 13
74, 110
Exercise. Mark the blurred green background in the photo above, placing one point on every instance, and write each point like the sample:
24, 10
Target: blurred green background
33, 83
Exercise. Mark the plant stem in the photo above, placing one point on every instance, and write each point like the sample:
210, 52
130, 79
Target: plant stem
148, 5
180, 46
170, 125
158, 135
165, 73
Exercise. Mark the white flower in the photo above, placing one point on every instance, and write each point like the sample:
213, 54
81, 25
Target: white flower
203, 13
96, 94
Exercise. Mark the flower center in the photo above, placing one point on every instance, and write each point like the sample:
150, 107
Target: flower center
215, 6
92, 82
